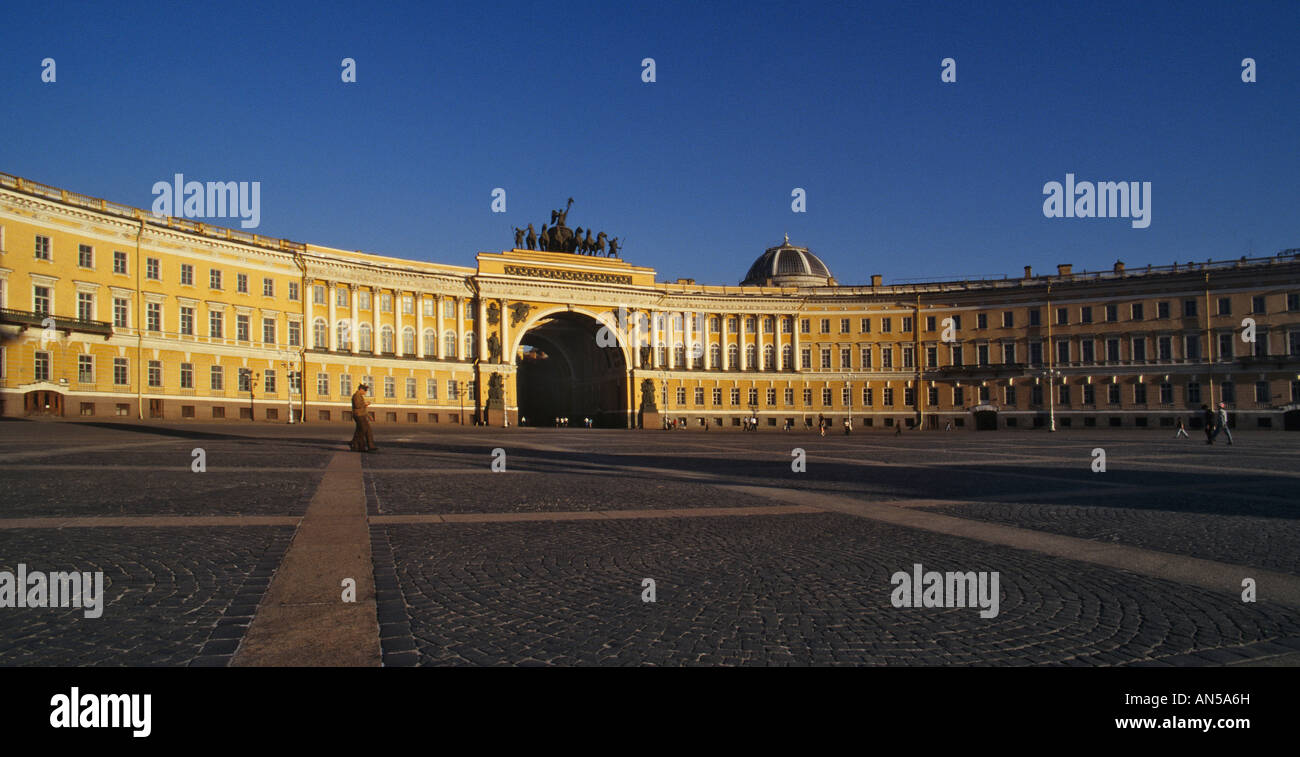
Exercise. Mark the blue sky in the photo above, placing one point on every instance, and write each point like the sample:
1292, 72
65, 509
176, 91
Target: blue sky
905, 176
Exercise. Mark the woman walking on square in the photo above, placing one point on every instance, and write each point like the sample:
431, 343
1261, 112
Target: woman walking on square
362, 440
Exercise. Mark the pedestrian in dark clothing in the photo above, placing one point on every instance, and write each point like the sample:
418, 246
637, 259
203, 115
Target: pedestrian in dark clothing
362, 439
1208, 416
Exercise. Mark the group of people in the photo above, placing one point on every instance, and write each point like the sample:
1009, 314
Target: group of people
1216, 422
749, 424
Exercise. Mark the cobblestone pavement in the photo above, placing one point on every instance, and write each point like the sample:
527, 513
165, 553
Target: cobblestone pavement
171, 596
749, 587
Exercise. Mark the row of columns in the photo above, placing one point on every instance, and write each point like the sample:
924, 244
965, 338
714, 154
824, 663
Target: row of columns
398, 323
663, 329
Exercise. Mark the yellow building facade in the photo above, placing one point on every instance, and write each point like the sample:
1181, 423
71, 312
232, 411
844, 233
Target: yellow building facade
108, 311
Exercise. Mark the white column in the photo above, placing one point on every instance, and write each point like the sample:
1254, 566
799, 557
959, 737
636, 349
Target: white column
740, 333
480, 328
687, 334
374, 320
777, 320
354, 343
794, 351
419, 324
506, 357
655, 339
726, 334
331, 333
438, 304
460, 328
397, 323
636, 338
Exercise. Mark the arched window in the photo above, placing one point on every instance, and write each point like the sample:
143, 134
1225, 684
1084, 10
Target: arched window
320, 334
751, 357
697, 354
408, 341
449, 344
715, 356
363, 338
679, 356
430, 343
344, 330
386, 339
663, 359
769, 357
471, 347
733, 357
787, 357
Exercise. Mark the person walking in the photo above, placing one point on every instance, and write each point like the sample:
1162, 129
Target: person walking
1182, 430
363, 439
1222, 424
1207, 415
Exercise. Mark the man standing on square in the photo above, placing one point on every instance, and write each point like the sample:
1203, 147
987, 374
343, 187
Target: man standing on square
362, 440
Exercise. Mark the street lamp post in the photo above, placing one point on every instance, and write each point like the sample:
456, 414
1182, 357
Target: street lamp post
288, 395
460, 390
253, 378
1050, 374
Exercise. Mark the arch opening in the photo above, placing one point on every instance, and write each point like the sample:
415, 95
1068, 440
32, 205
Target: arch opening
563, 373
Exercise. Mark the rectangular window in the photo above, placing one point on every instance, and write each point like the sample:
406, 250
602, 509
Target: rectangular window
1137, 311
1292, 302
868, 396
453, 390
390, 387
121, 312
1010, 394
187, 274
826, 359
427, 304
1140, 394
981, 321
295, 334
932, 396
805, 326
187, 321
734, 397
1035, 353
431, 389
215, 324
1162, 310
1139, 348
241, 328
1166, 393
909, 357
187, 375
866, 325
121, 372
788, 397
846, 358
241, 283
1085, 314
866, 358
410, 388
363, 300
318, 294
152, 269
982, 354
1009, 354
85, 256
322, 384
886, 325
1089, 395
1008, 319
931, 357
1262, 393
826, 325
805, 358
345, 385
846, 396
293, 291
844, 325
41, 368
1062, 316
957, 356
43, 248
1193, 392
753, 396
268, 287
86, 369
1229, 391
41, 300
958, 396
1086, 351
1189, 308
907, 324
155, 373
1112, 313
85, 306
1165, 348
1225, 306
408, 305
1257, 304
888, 396
1112, 394
807, 397
153, 316
385, 303
268, 331
216, 378
826, 396
929, 323
1193, 345
119, 261
886, 358
1112, 350
269, 377
1035, 317
214, 278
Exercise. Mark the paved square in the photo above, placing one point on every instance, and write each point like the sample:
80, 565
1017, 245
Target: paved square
244, 563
